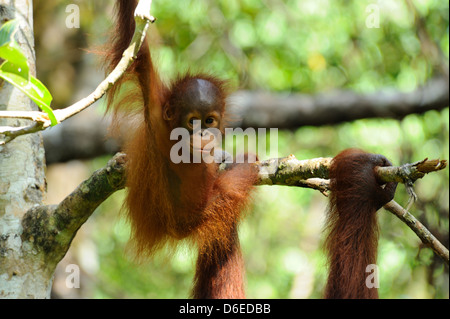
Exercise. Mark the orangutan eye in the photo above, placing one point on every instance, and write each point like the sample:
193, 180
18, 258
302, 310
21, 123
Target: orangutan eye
209, 120
192, 119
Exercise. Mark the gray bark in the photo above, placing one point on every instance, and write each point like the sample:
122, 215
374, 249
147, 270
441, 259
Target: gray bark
24, 272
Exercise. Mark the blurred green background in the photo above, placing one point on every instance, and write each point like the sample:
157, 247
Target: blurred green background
307, 46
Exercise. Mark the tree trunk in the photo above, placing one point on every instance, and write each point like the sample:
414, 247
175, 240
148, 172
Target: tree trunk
24, 273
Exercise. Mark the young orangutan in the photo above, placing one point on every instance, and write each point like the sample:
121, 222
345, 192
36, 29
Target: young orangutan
167, 202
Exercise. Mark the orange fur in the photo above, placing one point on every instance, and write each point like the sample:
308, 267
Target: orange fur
352, 240
169, 202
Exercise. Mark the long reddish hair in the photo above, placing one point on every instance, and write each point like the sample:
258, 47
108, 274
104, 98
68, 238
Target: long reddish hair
352, 225
167, 202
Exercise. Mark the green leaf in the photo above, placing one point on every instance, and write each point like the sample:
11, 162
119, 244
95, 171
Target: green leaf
15, 70
7, 31
11, 67
10, 50
31, 87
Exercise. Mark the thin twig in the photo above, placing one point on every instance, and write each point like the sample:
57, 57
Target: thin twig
410, 171
142, 22
10, 133
27, 115
419, 229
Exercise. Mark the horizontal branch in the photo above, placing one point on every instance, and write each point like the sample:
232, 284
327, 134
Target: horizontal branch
74, 210
26, 115
288, 111
410, 172
289, 170
11, 133
59, 141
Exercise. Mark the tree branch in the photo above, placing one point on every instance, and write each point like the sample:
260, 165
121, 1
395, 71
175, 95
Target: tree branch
288, 111
11, 133
74, 210
417, 227
289, 170
59, 144
53, 227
